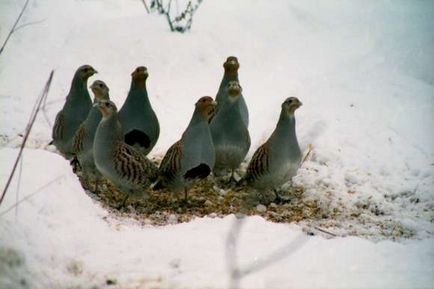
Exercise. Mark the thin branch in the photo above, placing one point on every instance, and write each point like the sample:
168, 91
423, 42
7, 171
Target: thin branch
28, 24
17, 196
275, 256
28, 129
31, 195
44, 111
146, 6
236, 273
231, 252
13, 27
306, 156
324, 231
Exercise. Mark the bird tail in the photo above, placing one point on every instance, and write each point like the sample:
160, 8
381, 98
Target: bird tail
51, 142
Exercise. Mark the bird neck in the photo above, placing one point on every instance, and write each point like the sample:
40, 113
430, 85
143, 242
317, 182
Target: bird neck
79, 87
197, 119
230, 110
100, 97
138, 95
93, 119
197, 130
284, 132
109, 129
78, 98
228, 76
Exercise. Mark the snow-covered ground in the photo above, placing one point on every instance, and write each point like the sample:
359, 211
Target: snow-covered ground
365, 74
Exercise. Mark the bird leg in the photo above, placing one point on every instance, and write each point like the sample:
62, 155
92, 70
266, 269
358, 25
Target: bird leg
122, 205
278, 199
232, 181
96, 185
185, 195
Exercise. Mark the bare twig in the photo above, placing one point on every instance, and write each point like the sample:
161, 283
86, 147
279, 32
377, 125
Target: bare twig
307, 154
182, 20
231, 252
31, 195
28, 129
236, 273
28, 24
17, 196
44, 111
325, 232
146, 6
14, 26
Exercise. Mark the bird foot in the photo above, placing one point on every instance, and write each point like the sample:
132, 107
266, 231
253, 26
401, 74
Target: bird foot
232, 182
123, 204
279, 200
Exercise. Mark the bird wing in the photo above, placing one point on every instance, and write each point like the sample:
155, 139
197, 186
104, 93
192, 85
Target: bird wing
260, 162
80, 134
59, 125
132, 165
171, 162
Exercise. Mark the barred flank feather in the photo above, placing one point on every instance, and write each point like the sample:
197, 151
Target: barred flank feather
260, 163
59, 125
80, 134
171, 162
132, 165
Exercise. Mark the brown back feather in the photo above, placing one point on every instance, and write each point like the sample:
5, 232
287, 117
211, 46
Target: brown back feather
132, 165
59, 125
77, 144
171, 162
259, 164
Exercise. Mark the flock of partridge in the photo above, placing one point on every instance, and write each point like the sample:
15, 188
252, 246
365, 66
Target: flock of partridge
113, 144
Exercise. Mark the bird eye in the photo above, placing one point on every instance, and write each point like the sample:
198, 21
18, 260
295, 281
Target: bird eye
289, 100
100, 85
107, 104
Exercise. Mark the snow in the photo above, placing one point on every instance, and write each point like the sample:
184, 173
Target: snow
364, 72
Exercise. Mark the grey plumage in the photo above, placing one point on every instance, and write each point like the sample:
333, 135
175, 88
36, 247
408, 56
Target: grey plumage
278, 159
120, 163
84, 137
231, 67
138, 119
74, 111
193, 156
230, 135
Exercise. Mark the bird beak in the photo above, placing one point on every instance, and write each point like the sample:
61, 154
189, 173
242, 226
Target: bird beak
214, 103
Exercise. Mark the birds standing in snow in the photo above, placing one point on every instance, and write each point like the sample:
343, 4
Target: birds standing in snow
229, 133
216, 139
119, 162
193, 156
278, 159
231, 67
74, 112
84, 137
138, 119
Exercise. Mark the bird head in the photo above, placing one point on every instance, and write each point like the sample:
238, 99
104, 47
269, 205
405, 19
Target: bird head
100, 89
206, 106
291, 104
85, 71
234, 90
107, 108
140, 74
231, 65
